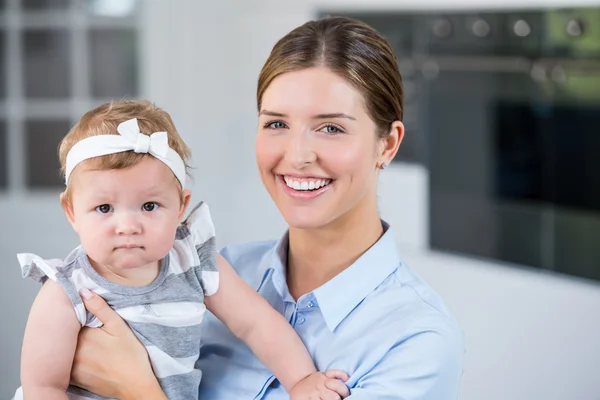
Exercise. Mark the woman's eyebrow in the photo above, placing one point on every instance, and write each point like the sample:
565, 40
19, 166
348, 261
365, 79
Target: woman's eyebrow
272, 113
334, 115
318, 116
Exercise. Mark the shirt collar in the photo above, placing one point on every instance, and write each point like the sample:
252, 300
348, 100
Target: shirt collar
339, 296
278, 264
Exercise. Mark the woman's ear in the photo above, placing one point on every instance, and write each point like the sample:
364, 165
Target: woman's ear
390, 144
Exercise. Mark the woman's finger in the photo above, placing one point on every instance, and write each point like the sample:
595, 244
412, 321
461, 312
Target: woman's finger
113, 323
78, 376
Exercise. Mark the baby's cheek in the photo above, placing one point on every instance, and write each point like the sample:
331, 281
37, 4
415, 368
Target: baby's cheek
95, 234
163, 238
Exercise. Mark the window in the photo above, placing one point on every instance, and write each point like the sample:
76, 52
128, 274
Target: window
58, 59
3, 157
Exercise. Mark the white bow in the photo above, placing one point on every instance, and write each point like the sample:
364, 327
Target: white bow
156, 144
129, 139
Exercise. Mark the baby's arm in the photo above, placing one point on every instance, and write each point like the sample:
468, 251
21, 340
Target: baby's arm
264, 330
49, 344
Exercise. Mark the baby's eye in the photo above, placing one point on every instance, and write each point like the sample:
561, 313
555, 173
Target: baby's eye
104, 208
150, 206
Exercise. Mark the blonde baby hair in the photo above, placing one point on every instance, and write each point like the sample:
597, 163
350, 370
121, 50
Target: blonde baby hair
104, 119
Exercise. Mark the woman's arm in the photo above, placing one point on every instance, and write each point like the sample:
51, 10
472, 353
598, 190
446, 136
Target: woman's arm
426, 366
110, 361
266, 332
49, 344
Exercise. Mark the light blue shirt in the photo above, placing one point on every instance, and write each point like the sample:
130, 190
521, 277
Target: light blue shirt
377, 320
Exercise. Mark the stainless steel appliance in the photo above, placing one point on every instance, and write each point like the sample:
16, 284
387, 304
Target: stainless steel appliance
503, 108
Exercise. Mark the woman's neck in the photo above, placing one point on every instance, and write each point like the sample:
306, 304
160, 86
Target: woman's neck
315, 256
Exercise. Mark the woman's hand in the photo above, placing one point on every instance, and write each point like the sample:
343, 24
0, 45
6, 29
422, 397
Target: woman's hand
321, 386
110, 361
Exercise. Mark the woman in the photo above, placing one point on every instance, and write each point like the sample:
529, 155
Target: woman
330, 111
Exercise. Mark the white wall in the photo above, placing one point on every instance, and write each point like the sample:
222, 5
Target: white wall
530, 335
51, 236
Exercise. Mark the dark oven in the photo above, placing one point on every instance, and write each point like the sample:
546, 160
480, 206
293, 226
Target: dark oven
503, 108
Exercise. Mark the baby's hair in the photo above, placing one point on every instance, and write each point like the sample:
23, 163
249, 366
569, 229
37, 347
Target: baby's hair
104, 119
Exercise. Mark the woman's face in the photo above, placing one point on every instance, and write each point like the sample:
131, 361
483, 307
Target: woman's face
317, 149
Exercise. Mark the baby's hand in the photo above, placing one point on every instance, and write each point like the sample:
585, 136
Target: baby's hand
321, 386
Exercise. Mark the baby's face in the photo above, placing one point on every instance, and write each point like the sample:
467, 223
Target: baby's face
126, 218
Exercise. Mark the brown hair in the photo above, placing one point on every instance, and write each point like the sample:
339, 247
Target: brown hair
104, 119
351, 49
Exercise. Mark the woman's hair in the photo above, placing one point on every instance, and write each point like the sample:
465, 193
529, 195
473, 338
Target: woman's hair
349, 48
104, 119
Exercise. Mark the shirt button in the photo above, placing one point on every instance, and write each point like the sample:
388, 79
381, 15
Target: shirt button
310, 304
300, 319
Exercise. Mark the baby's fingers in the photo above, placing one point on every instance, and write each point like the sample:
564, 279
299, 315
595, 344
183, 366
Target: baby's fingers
337, 386
337, 374
329, 395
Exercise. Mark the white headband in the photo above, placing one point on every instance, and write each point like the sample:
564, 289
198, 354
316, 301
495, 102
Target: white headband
129, 139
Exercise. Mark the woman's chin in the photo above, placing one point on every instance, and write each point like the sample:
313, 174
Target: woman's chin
304, 219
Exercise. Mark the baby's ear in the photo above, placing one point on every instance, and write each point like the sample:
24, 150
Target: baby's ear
67, 206
186, 195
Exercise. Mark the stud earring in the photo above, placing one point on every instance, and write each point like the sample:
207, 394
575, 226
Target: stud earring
383, 165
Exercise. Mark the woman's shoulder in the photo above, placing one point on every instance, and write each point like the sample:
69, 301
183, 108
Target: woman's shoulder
418, 310
407, 305
248, 255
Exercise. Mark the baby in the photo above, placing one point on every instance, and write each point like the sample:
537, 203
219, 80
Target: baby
125, 171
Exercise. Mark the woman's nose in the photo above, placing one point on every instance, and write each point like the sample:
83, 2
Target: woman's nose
300, 150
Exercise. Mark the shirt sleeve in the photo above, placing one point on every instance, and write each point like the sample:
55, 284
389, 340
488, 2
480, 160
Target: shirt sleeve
200, 225
39, 270
426, 366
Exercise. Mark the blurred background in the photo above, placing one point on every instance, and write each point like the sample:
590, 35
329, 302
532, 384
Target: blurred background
494, 196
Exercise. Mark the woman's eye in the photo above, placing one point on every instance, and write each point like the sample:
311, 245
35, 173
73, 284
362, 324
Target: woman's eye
275, 125
104, 208
150, 206
331, 129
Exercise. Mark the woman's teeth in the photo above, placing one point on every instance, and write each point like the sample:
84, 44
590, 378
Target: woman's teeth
306, 184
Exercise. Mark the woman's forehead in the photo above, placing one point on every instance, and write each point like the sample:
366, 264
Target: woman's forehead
312, 91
